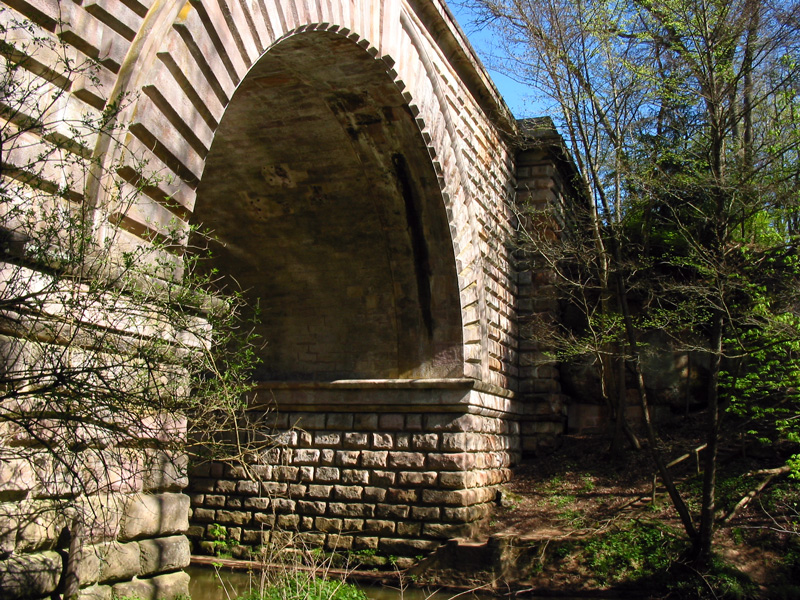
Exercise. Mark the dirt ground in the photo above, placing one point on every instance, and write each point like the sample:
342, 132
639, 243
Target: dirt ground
580, 492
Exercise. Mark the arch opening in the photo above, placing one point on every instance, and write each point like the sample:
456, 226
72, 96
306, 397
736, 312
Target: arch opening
327, 212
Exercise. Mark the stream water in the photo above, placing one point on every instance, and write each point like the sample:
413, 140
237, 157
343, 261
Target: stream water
226, 584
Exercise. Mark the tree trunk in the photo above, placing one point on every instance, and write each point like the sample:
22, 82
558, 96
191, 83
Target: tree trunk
701, 550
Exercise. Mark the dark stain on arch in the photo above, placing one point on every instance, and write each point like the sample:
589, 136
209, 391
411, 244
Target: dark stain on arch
422, 266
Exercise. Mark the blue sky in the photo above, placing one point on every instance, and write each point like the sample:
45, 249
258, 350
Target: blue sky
515, 94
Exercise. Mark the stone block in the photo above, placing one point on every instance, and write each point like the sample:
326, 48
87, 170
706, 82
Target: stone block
353, 525
457, 479
155, 515
215, 500
417, 478
462, 442
392, 511
30, 575
118, 561
365, 422
35, 524
273, 488
347, 458
365, 543
425, 441
348, 492
264, 519
381, 478
374, 494
379, 526
413, 423
164, 554
204, 514
195, 532
391, 422
357, 476
327, 439
255, 538
342, 509
313, 540
461, 461
96, 592
407, 460
285, 473
328, 524
306, 456
284, 505
327, 475
297, 490
248, 488
340, 421
336, 542
407, 547
162, 587
465, 514
306, 474
288, 521
256, 503
225, 486
382, 441
374, 458
447, 530
165, 472
16, 476
308, 421
402, 496
233, 517
319, 491
89, 563
202, 484
356, 439
306, 507
425, 513
409, 528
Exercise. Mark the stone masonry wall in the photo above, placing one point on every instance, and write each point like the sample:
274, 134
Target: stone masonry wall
397, 482
540, 184
131, 525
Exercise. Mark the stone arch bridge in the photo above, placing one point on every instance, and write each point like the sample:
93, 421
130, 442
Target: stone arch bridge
359, 169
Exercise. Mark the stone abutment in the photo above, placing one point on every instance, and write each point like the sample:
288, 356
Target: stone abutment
359, 172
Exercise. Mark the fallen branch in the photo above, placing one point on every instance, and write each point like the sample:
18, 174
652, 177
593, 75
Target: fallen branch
771, 474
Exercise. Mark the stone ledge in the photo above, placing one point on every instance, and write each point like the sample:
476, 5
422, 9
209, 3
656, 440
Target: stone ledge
450, 383
389, 395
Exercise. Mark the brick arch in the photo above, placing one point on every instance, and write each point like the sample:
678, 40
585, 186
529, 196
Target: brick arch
327, 210
186, 63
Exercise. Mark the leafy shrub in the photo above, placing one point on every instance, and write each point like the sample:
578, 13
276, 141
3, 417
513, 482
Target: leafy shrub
639, 550
302, 586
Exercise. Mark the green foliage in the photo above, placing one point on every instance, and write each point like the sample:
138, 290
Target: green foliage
221, 544
635, 551
302, 586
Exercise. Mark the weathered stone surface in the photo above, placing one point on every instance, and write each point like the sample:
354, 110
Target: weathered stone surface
96, 592
30, 575
155, 515
161, 587
117, 561
163, 554
351, 306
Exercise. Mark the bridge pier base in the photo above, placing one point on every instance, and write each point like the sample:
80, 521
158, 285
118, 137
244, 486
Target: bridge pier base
390, 466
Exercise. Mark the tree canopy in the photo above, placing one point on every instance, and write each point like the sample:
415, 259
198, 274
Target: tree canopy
681, 117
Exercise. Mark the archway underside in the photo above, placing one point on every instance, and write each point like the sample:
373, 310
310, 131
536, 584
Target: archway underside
326, 210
